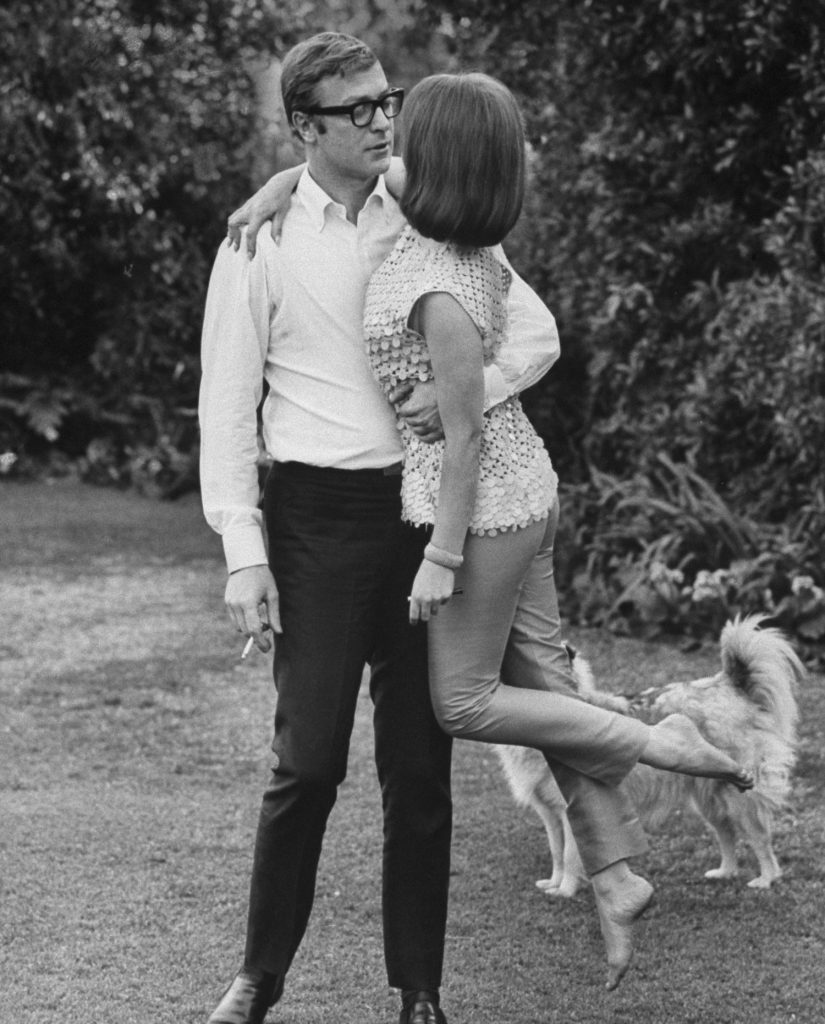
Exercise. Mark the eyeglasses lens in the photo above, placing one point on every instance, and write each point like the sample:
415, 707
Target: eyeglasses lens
363, 114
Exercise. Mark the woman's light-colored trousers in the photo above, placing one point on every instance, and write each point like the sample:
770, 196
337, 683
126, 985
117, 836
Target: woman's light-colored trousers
500, 673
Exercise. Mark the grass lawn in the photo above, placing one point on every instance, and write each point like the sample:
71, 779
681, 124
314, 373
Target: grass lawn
133, 751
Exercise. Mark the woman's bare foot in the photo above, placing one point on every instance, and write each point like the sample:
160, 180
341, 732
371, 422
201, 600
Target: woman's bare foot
621, 904
676, 745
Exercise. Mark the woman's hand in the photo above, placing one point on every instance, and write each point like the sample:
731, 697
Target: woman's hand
271, 201
432, 587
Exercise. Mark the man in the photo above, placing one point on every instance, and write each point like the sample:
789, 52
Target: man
333, 577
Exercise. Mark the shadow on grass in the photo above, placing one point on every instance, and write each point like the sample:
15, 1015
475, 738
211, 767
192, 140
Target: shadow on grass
134, 748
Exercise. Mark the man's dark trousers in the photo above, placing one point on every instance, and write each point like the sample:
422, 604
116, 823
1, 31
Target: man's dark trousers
344, 564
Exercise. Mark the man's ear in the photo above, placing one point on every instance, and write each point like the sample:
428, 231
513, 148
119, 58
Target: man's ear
302, 123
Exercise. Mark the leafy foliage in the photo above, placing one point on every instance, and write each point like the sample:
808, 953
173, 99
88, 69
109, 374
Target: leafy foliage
676, 229
125, 135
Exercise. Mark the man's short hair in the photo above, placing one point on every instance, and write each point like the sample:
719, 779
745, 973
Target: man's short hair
316, 58
463, 141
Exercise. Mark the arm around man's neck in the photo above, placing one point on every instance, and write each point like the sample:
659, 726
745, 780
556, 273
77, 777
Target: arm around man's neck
270, 202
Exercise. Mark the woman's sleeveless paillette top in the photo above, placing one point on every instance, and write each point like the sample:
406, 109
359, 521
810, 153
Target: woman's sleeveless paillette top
517, 484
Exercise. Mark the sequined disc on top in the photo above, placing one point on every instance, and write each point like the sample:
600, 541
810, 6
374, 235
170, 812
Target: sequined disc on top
517, 484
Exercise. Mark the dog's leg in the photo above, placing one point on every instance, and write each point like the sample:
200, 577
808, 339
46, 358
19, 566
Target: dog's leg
554, 821
574, 873
726, 838
756, 824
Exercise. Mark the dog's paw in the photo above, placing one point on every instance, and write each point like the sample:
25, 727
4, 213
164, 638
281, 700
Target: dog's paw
763, 881
716, 873
550, 887
568, 889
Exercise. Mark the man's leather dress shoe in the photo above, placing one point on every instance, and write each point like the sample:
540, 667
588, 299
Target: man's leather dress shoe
422, 1008
248, 998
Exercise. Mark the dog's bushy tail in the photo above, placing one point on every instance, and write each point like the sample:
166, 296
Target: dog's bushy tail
761, 663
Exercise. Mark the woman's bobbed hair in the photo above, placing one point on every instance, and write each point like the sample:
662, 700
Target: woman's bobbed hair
463, 144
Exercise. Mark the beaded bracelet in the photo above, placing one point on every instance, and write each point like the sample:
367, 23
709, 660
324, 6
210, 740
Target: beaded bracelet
446, 559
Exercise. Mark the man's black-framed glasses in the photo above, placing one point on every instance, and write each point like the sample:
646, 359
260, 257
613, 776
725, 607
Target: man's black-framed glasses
361, 114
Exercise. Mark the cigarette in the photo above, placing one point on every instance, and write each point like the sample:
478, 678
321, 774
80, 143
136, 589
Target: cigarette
251, 641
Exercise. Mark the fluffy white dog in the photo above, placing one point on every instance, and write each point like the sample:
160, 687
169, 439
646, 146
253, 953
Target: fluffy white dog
747, 709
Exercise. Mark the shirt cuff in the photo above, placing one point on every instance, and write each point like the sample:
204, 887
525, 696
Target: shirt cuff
244, 546
495, 387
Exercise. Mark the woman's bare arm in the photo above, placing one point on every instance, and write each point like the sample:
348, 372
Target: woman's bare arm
270, 202
456, 352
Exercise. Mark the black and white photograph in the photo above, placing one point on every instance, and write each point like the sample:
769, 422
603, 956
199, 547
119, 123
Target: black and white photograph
412, 512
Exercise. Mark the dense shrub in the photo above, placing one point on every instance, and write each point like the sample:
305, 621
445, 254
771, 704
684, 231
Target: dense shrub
676, 229
125, 135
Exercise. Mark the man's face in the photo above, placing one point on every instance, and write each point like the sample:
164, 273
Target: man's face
344, 149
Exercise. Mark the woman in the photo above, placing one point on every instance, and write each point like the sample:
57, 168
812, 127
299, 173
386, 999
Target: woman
436, 310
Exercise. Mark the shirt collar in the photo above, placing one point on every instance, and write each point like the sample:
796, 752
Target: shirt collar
316, 201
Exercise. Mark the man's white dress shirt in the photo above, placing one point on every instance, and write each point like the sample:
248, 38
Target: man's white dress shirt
293, 316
